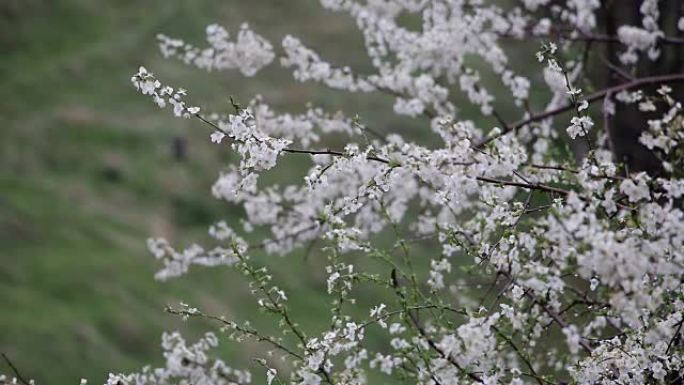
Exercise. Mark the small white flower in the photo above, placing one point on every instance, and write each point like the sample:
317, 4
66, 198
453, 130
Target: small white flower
583, 106
593, 284
635, 191
574, 91
377, 310
217, 136
553, 47
270, 375
579, 126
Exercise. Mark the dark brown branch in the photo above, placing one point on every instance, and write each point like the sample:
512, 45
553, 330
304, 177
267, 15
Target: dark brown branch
17, 374
671, 78
537, 186
573, 171
616, 69
531, 186
675, 335
667, 40
588, 37
294, 150
329, 152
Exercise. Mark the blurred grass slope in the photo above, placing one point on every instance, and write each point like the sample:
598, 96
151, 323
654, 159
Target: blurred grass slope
87, 174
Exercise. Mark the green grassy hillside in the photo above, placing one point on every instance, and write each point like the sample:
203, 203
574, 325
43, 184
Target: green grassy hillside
87, 174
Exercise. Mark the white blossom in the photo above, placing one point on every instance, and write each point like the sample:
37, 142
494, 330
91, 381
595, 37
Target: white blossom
553, 243
579, 126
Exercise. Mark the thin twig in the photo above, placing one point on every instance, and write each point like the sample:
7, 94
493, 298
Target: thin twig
531, 186
233, 325
17, 374
674, 336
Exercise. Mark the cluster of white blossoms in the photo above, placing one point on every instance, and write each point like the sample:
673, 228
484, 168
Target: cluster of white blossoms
249, 53
147, 84
667, 132
546, 267
185, 364
642, 39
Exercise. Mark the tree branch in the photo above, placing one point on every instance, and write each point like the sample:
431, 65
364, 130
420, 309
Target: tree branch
17, 374
670, 78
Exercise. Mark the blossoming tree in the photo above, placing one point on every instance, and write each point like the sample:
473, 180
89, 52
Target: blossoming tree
580, 255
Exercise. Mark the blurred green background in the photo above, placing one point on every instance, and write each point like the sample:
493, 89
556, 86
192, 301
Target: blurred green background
88, 172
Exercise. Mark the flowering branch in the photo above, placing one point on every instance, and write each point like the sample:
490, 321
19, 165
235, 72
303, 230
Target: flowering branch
599, 95
595, 254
